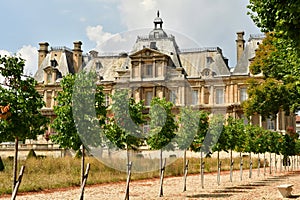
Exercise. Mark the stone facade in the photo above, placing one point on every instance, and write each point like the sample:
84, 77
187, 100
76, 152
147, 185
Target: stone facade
156, 66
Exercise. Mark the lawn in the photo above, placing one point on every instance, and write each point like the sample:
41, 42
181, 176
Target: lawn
49, 173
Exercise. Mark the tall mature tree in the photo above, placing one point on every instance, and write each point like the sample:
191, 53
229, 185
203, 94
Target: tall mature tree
280, 88
80, 111
20, 114
282, 16
278, 58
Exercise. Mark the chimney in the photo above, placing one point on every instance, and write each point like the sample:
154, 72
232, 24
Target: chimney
77, 56
43, 51
240, 44
94, 53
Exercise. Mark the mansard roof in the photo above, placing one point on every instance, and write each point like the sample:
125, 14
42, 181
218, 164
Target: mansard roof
195, 61
63, 58
242, 66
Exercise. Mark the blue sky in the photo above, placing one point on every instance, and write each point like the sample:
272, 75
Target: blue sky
209, 23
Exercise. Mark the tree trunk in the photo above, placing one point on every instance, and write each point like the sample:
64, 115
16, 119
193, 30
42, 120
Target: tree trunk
184, 160
250, 167
15, 166
82, 163
202, 169
231, 165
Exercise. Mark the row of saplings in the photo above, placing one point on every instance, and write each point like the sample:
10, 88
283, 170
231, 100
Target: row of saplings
234, 135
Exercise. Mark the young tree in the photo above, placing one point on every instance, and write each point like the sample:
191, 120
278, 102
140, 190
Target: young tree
163, 128
233, 131
20, 114
193, 126
123, 129
80, 112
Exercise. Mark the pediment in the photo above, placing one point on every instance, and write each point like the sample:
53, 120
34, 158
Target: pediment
147, 52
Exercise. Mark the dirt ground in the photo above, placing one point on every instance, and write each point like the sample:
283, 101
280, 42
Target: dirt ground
262, 187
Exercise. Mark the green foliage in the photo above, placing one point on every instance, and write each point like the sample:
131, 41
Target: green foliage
234, 134
75, 113
123, 130
278, 58
192, 129
1, 165
282, 16
163, 126
25, 120
31, 154
217, 131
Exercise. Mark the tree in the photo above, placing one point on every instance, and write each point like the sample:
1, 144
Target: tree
162, 125
163, 128
278, 58
80, 111
21, 105
193, 126
123, 129
279, 16
234, 131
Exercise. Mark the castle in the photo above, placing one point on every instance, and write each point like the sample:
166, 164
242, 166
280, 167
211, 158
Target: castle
157, 66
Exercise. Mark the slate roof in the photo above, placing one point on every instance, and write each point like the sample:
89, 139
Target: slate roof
194, 61
64, 61
242, 67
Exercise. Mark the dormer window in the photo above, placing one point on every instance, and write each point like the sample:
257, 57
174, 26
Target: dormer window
53, 63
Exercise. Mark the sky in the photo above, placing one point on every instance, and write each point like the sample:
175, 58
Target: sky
207, 23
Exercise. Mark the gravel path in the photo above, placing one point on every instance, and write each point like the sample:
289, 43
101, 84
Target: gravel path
263, 187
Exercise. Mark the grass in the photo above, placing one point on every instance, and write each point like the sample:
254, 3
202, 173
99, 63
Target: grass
51, 173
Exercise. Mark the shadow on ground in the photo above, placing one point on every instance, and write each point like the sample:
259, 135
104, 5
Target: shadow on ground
230, 191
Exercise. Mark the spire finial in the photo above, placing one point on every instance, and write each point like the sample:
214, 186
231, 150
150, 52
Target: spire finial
158, 13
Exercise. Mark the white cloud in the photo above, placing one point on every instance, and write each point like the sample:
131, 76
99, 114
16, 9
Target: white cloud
210, 23
105, 41
4, 53
30, 54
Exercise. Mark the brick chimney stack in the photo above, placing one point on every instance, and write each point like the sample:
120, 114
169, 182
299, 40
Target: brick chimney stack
43, 51
240, 45
77, 56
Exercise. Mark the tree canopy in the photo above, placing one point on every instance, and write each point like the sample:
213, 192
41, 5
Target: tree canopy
20, 103
280, 16
277, 59
80, 112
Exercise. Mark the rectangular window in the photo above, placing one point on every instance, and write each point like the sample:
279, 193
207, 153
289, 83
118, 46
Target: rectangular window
149, 95
148, 71
173, 96
243, 94
195, 97
219, 96
270, 124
